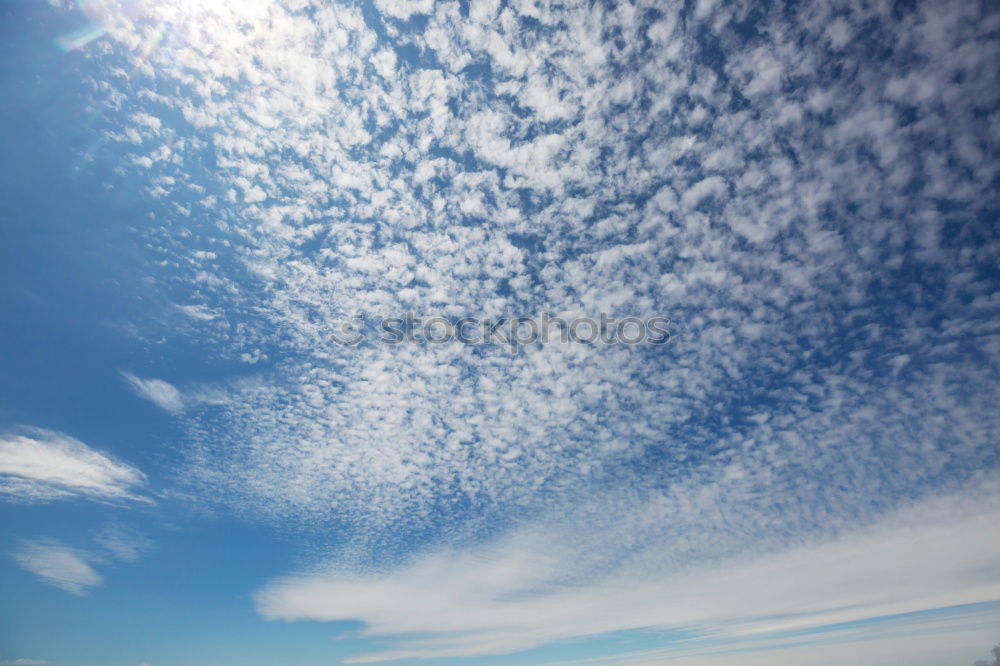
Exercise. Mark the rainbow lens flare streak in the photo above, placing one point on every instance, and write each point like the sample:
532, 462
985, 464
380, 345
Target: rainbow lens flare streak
79, 38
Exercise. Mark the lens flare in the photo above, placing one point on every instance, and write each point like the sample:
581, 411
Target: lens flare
80, 37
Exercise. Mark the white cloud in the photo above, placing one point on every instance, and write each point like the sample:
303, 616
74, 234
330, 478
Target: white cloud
160, 393
72, 569
703, 8
778, 196
199, 312
39, 465
711, 186
522, 590
950, 637
57, 565
404, 9
817, 192
123, 543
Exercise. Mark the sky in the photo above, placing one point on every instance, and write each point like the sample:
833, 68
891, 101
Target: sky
212, 455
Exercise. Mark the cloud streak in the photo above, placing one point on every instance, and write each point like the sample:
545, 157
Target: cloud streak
39, 465
122, 543
57, 565
162, 394
521, 590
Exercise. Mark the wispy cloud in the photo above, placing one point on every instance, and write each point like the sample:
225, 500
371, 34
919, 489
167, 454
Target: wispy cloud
198, 312
162, 394
75, 569
123, 543
57, 565
946, 637
39, 465
524, 590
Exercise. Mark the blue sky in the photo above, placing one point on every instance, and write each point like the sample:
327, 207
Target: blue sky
198, 195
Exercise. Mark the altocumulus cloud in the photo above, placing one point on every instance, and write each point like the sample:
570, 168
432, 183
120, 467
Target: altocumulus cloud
764, 189
806, 191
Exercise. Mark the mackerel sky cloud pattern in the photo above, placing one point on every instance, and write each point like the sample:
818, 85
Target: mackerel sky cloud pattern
807, 191
795, 188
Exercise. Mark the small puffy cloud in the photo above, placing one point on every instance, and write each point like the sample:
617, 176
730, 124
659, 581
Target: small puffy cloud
713, 186
22, 662
199, 312
39, 465
703, 8
160, 393
57, 565
404, 9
